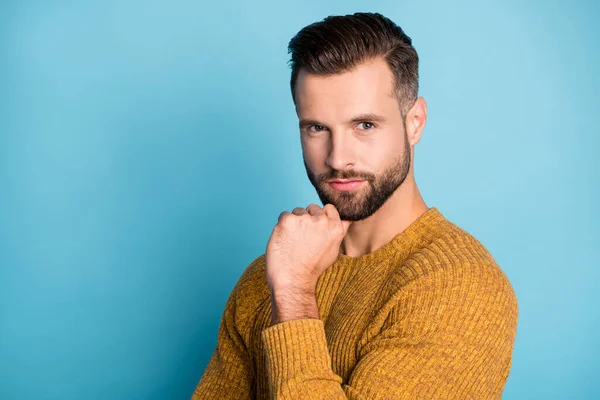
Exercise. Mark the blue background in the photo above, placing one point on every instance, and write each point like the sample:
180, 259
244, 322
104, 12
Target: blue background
147, 148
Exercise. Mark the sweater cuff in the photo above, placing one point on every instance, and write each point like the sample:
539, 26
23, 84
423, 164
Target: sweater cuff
296, 349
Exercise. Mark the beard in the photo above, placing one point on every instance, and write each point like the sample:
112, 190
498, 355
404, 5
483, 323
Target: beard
361, 203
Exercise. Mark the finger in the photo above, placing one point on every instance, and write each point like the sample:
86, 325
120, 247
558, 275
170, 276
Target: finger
334, 215
299, 211
282, 216
314, 210
331, 212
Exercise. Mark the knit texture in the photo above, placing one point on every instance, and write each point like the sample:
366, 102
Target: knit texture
430, 315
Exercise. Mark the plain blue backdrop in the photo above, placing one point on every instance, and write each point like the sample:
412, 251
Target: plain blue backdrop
147, 148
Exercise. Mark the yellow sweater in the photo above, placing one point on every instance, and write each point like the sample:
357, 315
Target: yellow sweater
430, 315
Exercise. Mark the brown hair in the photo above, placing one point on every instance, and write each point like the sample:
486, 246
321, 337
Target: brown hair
339, 43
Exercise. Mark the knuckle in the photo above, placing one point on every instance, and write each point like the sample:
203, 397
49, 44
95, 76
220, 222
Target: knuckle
284, 217
305, 218
313, 208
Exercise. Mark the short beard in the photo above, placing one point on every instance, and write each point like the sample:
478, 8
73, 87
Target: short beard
355, 206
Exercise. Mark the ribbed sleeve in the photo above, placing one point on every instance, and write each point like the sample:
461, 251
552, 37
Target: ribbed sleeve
298, 362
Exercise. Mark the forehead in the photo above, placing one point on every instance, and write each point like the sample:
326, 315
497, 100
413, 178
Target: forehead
369, 87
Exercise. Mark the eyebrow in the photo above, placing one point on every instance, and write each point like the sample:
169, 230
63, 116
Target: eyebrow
368, 117
304, 123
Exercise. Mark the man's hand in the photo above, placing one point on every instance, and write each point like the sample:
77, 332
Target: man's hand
304, 243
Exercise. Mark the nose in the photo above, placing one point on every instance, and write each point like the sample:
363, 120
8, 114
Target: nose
341, 152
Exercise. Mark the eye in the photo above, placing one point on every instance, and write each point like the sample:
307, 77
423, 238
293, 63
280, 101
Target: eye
366, 126
316, 128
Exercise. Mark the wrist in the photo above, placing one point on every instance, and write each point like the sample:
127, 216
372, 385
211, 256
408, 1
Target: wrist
292, 286
293, 303
283, 289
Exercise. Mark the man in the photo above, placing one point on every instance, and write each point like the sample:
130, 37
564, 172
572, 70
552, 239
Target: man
375, 295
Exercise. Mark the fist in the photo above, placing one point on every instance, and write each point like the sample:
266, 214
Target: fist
303, 244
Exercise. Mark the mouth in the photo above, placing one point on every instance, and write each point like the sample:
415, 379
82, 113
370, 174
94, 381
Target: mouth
346, 184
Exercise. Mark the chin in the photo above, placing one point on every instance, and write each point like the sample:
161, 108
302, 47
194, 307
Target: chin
348, 212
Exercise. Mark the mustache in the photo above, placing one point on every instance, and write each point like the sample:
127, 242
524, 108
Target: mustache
336, 174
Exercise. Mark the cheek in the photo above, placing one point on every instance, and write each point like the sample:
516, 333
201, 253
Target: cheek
314, 155
374, 152
379, 155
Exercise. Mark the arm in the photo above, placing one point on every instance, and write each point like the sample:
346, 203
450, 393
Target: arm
229, 373
448, 335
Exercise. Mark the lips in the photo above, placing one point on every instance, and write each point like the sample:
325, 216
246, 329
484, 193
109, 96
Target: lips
345, 184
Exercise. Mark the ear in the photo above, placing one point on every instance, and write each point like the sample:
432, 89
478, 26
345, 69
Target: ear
415, 121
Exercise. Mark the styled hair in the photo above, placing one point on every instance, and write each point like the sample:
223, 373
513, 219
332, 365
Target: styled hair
338, 43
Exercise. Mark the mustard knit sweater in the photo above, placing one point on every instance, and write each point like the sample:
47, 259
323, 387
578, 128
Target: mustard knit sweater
430, 315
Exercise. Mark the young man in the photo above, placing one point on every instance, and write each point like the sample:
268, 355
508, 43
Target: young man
375, 295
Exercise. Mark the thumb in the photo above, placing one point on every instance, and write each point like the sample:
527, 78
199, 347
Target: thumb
346, 225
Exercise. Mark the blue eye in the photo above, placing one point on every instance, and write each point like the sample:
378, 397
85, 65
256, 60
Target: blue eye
366, 125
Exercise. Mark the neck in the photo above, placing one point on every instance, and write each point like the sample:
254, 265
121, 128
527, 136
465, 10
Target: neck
397, 213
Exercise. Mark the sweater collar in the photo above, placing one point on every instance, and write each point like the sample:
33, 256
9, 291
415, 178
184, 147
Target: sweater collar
419, 231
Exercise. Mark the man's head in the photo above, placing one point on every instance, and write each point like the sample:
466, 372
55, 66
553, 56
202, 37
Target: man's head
355, 84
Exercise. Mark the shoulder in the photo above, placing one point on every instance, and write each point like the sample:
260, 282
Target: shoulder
450, 296
454, 270
451, 250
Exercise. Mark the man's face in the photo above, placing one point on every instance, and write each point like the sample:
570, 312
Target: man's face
354, 142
